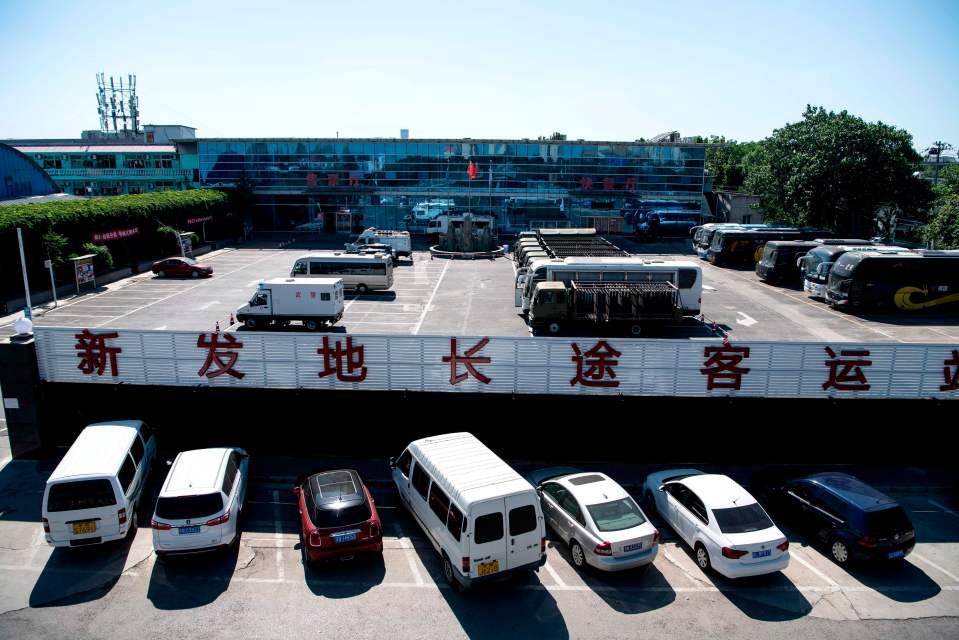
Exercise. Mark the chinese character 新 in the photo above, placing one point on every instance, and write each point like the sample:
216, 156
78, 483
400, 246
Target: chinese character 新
220, 351
951, 377
94, 352
337, 359
595, 367
468, 359
721, 366
850, 377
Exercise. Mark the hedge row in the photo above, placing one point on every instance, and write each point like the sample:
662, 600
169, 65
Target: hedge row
94, 211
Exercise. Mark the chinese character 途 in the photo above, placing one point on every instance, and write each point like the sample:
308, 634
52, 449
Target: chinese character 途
586, 183
220, 353
595, 367
335, 359
94, 353
721, 366
468, 359
850, 377
631, 183
608, 184
332, 179
951, 377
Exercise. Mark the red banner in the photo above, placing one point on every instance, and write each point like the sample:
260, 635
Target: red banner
198, 220
116, 234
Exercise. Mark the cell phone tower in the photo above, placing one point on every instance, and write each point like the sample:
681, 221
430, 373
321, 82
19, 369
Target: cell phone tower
116, 102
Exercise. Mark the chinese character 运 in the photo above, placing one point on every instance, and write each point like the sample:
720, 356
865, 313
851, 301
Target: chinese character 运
850, 377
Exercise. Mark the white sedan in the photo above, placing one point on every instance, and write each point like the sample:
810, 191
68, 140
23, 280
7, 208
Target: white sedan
599, 521
727, 529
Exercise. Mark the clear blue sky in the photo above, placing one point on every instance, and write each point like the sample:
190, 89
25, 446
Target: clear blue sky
591, 69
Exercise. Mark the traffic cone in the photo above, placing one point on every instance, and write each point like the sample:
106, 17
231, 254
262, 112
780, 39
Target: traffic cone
232, 321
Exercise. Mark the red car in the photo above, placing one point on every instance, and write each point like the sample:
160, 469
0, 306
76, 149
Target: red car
181, 267
337, 515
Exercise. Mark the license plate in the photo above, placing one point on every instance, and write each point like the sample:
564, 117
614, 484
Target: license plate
632, 547
765, 553
897, 554
87, 526
185, 531
344, 537
487, 568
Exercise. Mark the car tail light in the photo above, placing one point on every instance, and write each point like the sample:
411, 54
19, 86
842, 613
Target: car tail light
604, 549
218, 520
46, 525
784, 546
868, 541
374, 529
733, 554
656, 536
542, 544
160, 526
465, 563
316, 540
122, 516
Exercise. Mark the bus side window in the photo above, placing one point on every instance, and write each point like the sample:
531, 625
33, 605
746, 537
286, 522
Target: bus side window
316, 268
687, 278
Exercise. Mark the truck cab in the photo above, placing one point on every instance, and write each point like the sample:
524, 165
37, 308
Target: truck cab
549, 309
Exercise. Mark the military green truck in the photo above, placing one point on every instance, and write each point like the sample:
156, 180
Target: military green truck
603, 307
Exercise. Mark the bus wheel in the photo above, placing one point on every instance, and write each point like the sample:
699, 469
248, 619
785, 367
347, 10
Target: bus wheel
362, 288
554, 328
635, 330
312, 325
250, 323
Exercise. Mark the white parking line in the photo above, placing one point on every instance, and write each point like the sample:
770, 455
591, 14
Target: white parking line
943, 507
277, 531
555, 576
932, 564
405, 543
798, 558
426, 308
207, 305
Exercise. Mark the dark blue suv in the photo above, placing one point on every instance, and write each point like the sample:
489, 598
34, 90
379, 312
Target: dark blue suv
854, 521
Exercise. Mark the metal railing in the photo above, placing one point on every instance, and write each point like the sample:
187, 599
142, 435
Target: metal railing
120, 173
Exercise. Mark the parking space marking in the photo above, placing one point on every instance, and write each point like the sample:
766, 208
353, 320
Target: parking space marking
553, 574
207, 305
798, 558
407, 547
277, 531
426, 308
932, 564
745, 320
944, 508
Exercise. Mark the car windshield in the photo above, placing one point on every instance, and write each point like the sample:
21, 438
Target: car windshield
188, 260
616, 515
887, 522
327, 517
742, 519
189, 507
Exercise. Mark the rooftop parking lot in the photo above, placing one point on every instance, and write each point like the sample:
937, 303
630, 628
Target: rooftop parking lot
263, 589
443, 297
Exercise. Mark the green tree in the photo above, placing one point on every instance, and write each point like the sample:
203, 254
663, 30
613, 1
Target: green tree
729, 162
835, 170
943, 228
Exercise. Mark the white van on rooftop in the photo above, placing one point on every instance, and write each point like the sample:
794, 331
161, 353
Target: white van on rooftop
482, 517
93, 494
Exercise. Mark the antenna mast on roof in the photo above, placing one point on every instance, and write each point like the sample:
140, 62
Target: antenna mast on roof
118, 102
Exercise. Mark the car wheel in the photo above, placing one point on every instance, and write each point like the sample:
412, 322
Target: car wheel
577, 554
312, 325
362, 289
194, 274
554, 328
250, 323
702, 558
448, 573
132, 531
161, 274
839, 552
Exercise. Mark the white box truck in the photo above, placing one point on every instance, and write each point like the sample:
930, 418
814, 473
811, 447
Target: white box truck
277, 302
398, 241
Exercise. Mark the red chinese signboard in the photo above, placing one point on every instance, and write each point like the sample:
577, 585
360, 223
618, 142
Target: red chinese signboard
346, 363
468, 359
221, 352
950, 375
116, 234
845, 370
721, 367
595, 368
199, 220
95, 354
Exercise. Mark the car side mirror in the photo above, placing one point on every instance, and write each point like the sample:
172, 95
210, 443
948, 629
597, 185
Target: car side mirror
662, 487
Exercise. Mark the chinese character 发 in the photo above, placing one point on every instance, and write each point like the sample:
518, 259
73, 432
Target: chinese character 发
951, 377
586, 183
94, 353
721, 366
220, 353
468, 359
608, 184
335, 359
595, 367
850, 377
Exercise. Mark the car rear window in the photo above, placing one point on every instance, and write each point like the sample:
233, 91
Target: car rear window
522, 520
887, 522
616, 515
488, 528
82, 494
327, 518
189, 507
742, 519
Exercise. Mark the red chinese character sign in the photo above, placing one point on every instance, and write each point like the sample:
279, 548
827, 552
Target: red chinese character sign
95, 353
221, 351
346, 362
596, 367
845, 370
950, 372
468, 360
721, 367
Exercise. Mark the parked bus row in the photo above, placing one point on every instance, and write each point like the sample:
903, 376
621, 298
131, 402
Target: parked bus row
485, 521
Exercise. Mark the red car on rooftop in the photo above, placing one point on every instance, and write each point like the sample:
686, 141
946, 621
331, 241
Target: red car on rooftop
337, 516
186, 267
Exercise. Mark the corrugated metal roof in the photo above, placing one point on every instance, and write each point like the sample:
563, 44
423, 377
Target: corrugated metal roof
100, 148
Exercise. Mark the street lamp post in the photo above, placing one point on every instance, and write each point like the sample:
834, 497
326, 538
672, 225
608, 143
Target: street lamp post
28, 312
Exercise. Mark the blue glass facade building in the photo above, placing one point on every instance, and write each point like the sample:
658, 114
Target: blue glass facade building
524, 183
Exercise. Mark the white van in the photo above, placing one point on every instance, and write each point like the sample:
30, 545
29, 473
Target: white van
93, 494
199, 506
482, 517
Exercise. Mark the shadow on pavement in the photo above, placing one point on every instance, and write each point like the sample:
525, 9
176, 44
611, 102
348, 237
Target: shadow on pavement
344, 578
186, 582
83, 574
900, 581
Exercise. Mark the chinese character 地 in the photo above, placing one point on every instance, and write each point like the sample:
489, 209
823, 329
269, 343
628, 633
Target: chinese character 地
338, 358
220, 353
595, 367
94, 353
468, 360
721, 367
850, 376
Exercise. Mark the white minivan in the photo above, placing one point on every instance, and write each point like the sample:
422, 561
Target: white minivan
199, 506
481, 516
93, 494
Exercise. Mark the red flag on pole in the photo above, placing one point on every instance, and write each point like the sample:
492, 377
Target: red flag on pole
471, 170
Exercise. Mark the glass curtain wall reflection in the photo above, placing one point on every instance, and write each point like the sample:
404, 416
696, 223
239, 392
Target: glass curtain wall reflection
397, 184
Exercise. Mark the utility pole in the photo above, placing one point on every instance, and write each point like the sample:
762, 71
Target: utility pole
28, 312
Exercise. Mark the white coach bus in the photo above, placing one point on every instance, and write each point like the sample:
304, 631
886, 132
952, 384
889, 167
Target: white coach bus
360, 272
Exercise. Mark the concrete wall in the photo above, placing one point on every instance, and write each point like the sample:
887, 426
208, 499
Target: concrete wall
738, 207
